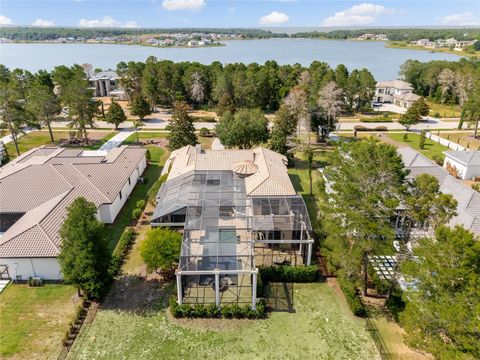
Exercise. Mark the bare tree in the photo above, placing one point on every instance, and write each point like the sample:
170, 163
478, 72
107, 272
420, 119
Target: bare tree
197, 90
446, 79
297, 103
463, 87
331, 103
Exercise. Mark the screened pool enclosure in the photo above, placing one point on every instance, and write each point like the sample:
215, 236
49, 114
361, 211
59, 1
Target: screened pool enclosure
227, 234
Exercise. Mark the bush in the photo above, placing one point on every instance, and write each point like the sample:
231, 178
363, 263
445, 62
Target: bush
377, 119
436, 114
141, 204
395, 304
286, 273
136, 213
360, 128
421, 142
33, 281
208, 119
380, 128
230, 311
204, 132
120, 251
438, 159
353, 298
148, 155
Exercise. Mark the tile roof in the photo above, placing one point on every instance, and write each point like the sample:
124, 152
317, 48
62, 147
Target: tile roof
271, 178
42, 183
397, 84
468, 207
465, 157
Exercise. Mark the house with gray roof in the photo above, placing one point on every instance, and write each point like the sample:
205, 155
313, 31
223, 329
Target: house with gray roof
396, 92
465, 164
237, 209
468, 208
36, 189
106, 83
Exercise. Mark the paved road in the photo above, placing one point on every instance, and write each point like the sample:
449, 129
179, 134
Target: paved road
117, 140
428, 124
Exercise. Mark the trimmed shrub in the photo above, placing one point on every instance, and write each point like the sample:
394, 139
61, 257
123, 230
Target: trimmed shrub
360, 128
395, 304
421, 142
231, 311
208, 119
353, 298
141, 204
380, 128
438, 159
136, 213
34, 281
204, 132
287, 273
120, 251
377, 119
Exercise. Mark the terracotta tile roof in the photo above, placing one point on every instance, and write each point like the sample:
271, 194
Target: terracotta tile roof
45, 181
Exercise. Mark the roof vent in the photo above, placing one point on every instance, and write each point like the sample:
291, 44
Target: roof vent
244, 168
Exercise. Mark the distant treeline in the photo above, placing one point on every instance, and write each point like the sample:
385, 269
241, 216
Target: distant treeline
45, 34
396, 34
449, 82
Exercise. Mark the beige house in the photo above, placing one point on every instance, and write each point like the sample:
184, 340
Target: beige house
396, 92
106, 83
237, 209
36, 189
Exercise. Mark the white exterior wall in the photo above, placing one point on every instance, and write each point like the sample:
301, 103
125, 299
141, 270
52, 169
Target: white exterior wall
108, 212
45, 268
461, 169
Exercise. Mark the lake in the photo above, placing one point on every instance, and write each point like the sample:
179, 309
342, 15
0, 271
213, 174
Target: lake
383, 62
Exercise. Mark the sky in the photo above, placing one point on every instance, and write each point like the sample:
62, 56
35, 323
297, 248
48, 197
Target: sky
239, 13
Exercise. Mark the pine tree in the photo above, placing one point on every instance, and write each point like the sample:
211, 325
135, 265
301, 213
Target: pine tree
84, 257
115, 114
182, 130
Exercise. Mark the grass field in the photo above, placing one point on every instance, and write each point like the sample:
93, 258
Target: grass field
463, 138
321, 328
40, 138
430, 150
33, 320
445, 111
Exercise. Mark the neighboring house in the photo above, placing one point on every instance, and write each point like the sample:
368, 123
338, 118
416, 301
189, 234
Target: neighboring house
468, 208
396, 92
37, 187
462, 164
106, 83
461, 45
237, 209
423, 42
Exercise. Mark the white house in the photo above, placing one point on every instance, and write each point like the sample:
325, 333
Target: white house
106, 83
463, 164
396, 92
36, 189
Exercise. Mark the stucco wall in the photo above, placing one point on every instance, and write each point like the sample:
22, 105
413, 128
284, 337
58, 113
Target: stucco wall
461, 169
45, 268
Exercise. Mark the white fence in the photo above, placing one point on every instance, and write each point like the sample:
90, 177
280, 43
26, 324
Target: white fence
450, 144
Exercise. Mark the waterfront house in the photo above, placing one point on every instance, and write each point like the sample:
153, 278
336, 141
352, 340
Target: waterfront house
106, 83
396, 92
237, 210
464, 165
36, 189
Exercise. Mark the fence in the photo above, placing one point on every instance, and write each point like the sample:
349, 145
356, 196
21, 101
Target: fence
381, 347
449, 144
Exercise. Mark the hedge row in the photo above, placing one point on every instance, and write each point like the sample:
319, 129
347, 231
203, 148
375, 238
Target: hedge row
363, 128
120, 251
213, 311
137, 212
353, 297
286, 273
377, 119
75, 325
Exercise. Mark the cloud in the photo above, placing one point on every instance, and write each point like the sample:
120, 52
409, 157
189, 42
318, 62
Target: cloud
106, 21
43, 23
172, 5
362, 14
274, 18
462, 19
5, 20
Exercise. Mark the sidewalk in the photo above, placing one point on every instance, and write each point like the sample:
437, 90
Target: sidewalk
117, 140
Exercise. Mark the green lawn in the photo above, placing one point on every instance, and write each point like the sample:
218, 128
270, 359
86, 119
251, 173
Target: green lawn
321, 328
40, 138
143, 136
431, 148
33, 320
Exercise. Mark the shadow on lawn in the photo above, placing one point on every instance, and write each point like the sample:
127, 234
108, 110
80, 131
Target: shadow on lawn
136, 294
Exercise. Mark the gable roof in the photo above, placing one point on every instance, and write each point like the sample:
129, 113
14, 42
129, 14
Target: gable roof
42, 183
465, 157
468, 207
